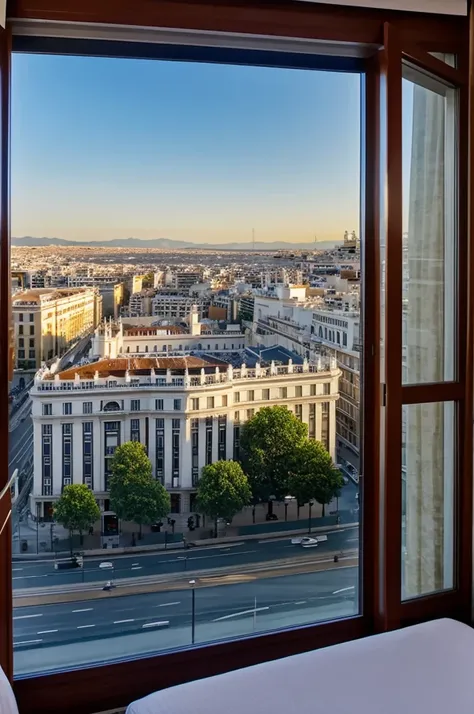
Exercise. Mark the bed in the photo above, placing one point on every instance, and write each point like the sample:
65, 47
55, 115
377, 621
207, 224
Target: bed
424, 669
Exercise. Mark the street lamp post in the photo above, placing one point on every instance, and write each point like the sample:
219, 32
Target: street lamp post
193, 610
286, 511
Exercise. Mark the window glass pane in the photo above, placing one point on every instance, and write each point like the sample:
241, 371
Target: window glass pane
430, 231
146, 337
428, 468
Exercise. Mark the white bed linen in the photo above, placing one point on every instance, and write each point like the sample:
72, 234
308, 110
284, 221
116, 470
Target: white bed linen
7, 700
424, 669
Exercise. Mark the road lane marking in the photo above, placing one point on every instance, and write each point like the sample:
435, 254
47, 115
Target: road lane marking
342, 590
300, 602
168, 604
206, 557
352, 540
136, 567
119, 622
28, 577
83, 627
134, 564
26, 642
46, 632
162, 623
25, 617
84, 609
238, 614
16, 569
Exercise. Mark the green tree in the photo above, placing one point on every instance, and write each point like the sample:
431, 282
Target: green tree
223, 490
269, 443
314, 475
76, 509
134, 494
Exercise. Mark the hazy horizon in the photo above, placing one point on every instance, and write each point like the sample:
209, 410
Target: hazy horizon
106, 149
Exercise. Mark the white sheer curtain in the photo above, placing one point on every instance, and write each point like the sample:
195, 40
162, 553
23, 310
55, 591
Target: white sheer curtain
446, 7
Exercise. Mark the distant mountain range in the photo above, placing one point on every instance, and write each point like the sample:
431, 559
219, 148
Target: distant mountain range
167, 244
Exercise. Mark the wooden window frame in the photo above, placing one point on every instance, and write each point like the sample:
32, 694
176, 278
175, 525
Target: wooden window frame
95, 688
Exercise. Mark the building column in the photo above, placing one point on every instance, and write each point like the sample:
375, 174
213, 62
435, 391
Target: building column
98, 478
202, 444
77, 460
168, 453
57, 456
332, 429
229, 437
185, 455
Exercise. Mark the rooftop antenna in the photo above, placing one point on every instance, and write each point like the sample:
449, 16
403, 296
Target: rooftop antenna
315, 238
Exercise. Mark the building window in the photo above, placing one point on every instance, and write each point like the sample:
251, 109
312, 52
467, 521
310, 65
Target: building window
327, 388
236, 397
175, 448
208, 440
283, 392
32, 329
195, 404
47, 458
67, 408
111, 441
195, 451
21, 354
159, 405
135, 405
312, 390
236, 454
251, 395
210, 402
298, 391
134, 429
67, 454
31, 354
325, 425
87, 454
47, 409
177, 405
312, 421
21, 342
250, 413
32, 317
20, 329
266, 394
160, 449
299, 411
222, 435
20, 317
87, 407
224, 400
344, 339
32, 342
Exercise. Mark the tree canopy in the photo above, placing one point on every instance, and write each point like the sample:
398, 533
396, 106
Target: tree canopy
134, 494
223, 490
76, 509
313, 475
269, 442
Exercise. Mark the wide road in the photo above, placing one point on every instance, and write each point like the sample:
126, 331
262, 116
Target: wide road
21, 441
227, 610
27, 574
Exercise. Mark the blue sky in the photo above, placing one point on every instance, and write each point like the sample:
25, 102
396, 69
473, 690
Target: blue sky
107, 148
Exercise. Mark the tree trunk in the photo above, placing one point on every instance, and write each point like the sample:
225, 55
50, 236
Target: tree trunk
70, 541
253, 514
298, 511
270, 508
81, 538
215, 528
139, 531
324, 509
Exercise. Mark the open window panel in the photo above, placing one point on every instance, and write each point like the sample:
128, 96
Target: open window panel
426, 440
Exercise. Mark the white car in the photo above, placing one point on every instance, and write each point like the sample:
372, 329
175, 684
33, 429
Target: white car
305, 542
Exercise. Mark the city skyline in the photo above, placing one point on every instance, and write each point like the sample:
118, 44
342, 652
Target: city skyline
228, 150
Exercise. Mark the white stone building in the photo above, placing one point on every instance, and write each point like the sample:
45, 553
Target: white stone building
187, 411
